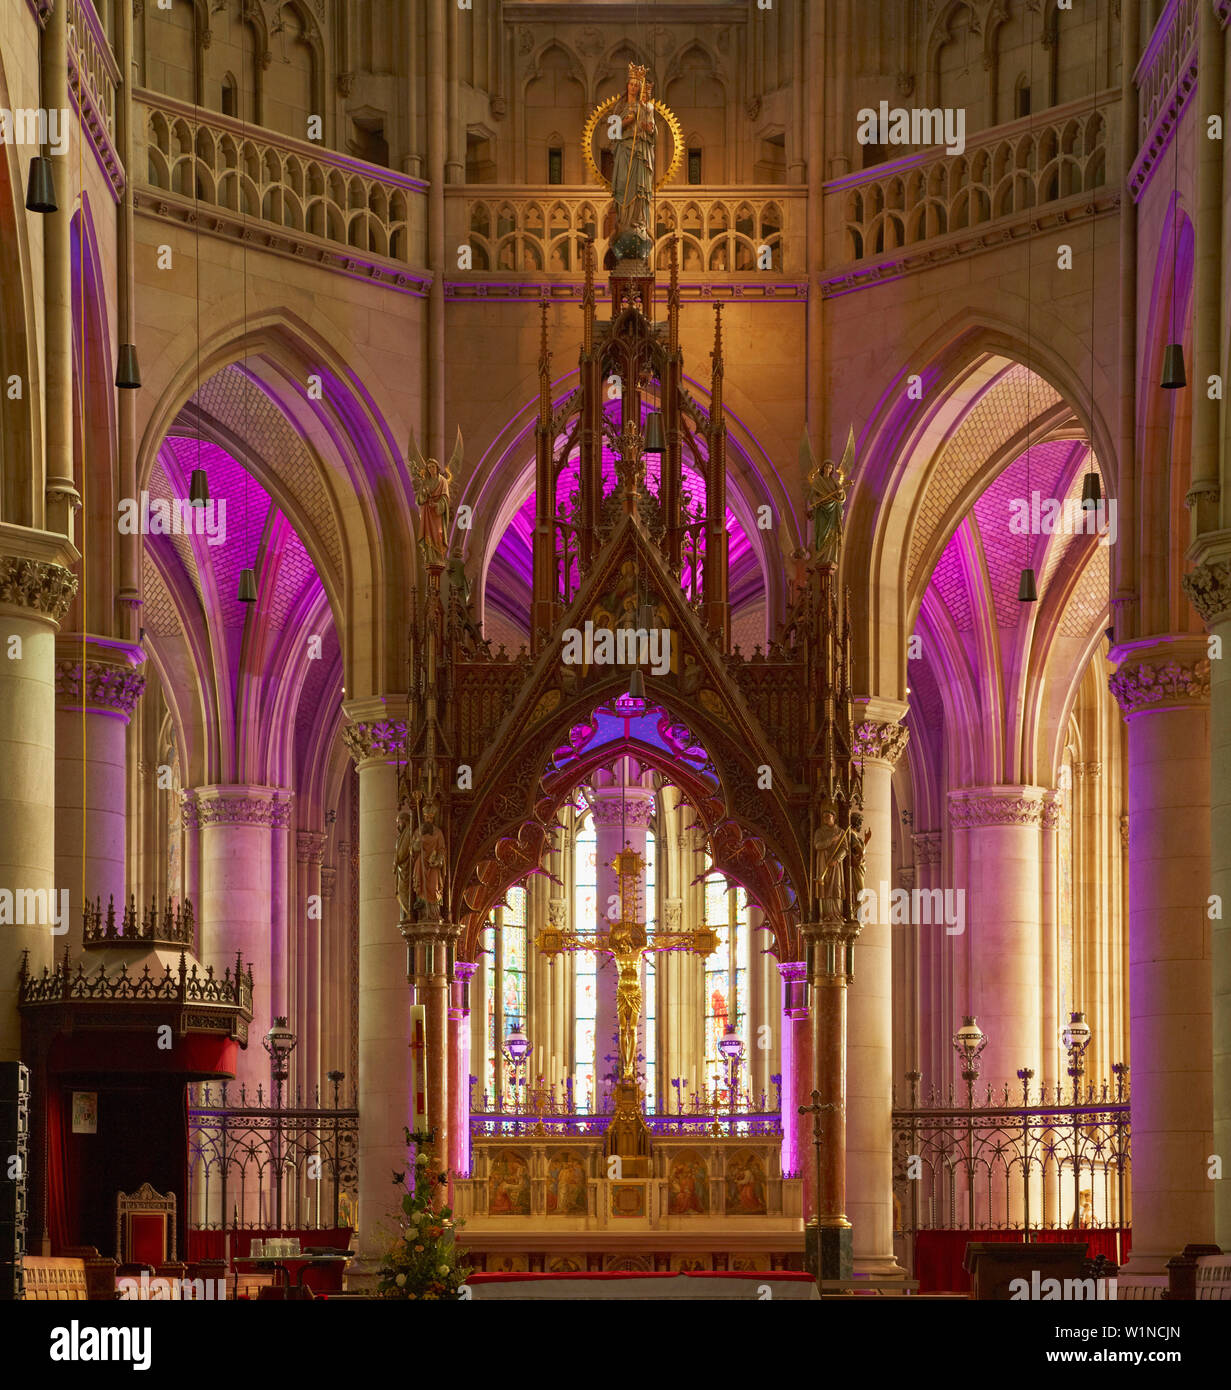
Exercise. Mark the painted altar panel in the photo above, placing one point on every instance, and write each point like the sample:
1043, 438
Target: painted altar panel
688, 1185
566, 1183
508, 1184
745, 1185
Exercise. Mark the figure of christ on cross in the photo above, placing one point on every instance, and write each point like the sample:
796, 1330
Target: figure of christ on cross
628, 941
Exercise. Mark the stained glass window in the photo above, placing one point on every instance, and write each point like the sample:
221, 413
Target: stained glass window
585, 908
504, 945
726, 977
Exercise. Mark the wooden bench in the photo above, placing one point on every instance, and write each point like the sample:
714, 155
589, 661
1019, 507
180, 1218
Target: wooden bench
54, 1279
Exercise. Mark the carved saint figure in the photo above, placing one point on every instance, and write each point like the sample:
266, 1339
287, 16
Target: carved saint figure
859, 843
826, 499
632, 175
432, 485
830, 846
428, 863
401, 862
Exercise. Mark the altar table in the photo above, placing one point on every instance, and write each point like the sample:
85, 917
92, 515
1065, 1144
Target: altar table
729, 1285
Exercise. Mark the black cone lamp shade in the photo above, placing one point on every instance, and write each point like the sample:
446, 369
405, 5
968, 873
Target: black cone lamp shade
636, 685
247, 586
127, 373
655, 442
1027, 591
1091, 494
1174, 377
198, 488
41, 186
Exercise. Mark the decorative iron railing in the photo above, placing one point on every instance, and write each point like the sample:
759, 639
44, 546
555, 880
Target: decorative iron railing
173, 926
1036, 1160
1008, 170
184, 985
266, 1165
759, 230
289, 184
538, 1108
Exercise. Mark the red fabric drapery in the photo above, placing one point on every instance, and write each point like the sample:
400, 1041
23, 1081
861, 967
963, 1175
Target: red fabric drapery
939, 1254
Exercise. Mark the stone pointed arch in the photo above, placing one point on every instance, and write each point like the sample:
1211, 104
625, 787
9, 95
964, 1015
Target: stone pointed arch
21, 433
745, 808
898, 454
95, 451
357, 459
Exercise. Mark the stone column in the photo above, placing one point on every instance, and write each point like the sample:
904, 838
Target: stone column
309, 848
430, 947
459, 1061
333, 1053
36, 587
934, 1016
797, 1077
236, 820
376, 739
192, 854
92, 713
879, 742
1001, 825
1209, 588
1163, 686
831, 947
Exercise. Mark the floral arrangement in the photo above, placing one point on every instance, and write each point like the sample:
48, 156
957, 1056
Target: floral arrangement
423, 1261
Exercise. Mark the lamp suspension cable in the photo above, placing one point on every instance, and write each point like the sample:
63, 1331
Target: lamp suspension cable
1027, 588
1091, 493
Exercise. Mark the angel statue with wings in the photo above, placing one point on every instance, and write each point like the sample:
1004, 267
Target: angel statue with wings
432, 494
826, 498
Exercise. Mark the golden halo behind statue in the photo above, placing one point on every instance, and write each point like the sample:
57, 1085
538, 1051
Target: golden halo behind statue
672, 123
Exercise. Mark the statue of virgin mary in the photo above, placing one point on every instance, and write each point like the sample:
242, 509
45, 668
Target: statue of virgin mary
632, 174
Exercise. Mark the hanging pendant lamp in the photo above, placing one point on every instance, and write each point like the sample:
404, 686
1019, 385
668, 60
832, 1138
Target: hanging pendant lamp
127, 372
655, 441
1174, 377
41, 186
1091, 494
1027, 591
247, 586
198, 489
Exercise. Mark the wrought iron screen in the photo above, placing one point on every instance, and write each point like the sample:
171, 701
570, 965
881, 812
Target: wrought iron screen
271, 1166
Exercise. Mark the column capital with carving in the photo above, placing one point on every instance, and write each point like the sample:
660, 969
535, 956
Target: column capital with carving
877, 742
1049, 817
329, 882
879, 734
242, 803
1161, 673
36, 572
971, 808
927, 847
310, 846
377, 732
1208, 583
111, 684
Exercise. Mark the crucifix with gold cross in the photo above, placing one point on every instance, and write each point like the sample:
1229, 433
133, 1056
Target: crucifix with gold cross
628, 941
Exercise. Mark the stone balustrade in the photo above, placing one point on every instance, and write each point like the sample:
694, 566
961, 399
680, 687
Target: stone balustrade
300, 194
1007, 171
1165, 77
760, 230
